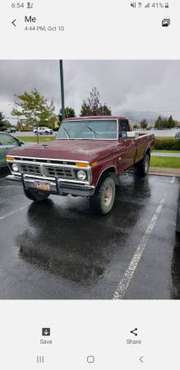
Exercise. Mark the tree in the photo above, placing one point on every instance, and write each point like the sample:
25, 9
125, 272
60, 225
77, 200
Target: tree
165, 123
104, 110
143, 124
33, 110
4, 124
68, 113
158, 123
171, 122
93, 106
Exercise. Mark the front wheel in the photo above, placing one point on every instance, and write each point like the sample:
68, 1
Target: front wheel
103, 200
142, 168
36, 196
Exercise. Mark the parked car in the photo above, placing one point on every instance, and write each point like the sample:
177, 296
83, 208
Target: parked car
7, 142
11, 130
177, 136
43, 131
86, 159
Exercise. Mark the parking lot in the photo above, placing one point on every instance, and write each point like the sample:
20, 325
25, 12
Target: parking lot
59, 249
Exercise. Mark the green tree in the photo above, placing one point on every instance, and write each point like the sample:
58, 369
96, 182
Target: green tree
158, 123
4, 124
165, 123
143, 124
93, 105
171, 122
68, 112
33, 110
104, 110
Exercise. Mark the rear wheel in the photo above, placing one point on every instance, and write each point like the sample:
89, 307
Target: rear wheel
142, 168
103, 200
36, 196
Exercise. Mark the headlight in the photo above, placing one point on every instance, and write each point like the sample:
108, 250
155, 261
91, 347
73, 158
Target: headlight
81, 175
15, 167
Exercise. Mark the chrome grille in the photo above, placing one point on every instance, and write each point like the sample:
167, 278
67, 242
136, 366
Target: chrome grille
47, 171
60, 172
31, 169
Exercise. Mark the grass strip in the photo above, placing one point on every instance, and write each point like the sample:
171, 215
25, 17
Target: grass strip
33, 139
165, 162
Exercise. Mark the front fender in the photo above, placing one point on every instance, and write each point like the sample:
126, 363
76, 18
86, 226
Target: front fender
97, 173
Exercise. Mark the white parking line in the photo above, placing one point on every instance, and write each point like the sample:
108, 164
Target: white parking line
128, 275
12, 213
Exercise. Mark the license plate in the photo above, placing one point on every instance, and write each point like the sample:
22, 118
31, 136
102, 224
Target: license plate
42, 186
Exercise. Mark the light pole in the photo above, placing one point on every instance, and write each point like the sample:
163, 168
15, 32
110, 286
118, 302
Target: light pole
62, 87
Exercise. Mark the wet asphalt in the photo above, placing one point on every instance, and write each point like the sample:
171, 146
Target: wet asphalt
60, 250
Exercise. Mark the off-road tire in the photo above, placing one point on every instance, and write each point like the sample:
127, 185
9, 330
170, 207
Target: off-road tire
35, 195
142, 168
103, 200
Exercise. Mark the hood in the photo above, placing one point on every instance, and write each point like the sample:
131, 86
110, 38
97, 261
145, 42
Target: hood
79, 150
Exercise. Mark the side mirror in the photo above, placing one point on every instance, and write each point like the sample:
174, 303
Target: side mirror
123, 135
20, 142
127, 135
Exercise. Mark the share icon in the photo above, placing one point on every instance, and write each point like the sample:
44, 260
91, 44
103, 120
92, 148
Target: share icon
134, 332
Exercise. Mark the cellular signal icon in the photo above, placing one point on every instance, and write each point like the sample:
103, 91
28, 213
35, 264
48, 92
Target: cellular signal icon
40, 359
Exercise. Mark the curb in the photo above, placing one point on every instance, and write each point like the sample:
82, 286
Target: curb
164, 172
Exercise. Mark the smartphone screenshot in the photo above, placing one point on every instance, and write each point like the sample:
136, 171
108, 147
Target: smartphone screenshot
89, 185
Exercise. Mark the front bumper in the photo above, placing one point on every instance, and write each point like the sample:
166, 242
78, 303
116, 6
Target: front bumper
57, 186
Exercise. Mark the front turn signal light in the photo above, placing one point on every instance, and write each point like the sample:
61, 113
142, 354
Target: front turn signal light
82, 164
9, 158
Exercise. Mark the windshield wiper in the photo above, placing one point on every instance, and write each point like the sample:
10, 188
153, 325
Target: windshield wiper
66, 132
93, 131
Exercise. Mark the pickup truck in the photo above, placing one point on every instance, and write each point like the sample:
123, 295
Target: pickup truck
86, 159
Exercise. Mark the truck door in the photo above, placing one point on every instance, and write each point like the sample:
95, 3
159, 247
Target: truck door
127, 145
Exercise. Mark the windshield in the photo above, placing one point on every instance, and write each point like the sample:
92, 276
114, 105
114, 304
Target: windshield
88, 129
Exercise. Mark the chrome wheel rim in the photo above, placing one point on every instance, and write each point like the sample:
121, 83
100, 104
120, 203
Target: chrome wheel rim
107, 195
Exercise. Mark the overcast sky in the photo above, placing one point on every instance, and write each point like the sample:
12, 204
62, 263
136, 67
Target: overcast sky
124, 85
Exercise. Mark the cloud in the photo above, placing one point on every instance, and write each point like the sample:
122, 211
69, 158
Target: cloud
124, 85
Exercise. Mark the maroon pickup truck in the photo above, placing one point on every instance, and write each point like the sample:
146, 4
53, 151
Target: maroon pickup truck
86, 159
